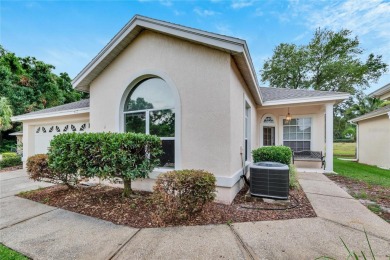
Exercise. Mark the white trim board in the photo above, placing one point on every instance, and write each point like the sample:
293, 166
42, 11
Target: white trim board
285, 102
50, 114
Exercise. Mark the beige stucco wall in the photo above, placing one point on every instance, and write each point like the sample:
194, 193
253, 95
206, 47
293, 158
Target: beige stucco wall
374, 141
29, 128
205, 79
385, 96
315, 112
239, 96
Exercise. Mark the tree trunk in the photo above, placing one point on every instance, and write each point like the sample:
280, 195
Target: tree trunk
127, 191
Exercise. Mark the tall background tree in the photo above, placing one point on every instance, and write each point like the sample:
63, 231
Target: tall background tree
5, 116
331, 61
29, 84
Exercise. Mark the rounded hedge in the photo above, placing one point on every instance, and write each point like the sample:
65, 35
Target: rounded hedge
281, 154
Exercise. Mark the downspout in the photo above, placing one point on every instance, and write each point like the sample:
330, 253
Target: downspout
357, 140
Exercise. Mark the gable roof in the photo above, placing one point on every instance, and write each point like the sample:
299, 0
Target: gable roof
378, 112
77, 107
274, 96
236, 47
381, 91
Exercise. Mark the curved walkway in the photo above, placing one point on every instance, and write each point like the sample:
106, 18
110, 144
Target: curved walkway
44, 232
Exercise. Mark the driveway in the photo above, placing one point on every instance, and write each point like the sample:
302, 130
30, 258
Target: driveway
44, 232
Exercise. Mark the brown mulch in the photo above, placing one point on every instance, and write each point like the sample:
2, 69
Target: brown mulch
107, 203
378, 194
14, 168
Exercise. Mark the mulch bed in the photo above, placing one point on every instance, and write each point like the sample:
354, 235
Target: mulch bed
378, 194
107, 203
14, 168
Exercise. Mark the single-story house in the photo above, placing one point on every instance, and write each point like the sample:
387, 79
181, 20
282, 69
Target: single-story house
373, 133
196, 90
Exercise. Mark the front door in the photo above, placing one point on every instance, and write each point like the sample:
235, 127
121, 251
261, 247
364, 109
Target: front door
268, 135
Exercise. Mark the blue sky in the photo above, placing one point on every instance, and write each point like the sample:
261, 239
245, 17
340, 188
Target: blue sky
68, 34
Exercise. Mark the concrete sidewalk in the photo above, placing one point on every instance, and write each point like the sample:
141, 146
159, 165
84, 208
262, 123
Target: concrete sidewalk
44, 232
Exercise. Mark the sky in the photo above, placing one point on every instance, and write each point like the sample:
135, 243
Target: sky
69, 34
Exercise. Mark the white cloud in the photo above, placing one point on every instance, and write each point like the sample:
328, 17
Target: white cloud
178, 13
238, 4
166, 2
204, 12
259, 12
162, 2
224, 29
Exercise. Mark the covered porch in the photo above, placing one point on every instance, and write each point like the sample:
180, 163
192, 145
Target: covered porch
301, 126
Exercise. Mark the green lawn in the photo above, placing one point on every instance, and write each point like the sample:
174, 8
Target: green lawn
362, 172
346, 150
9, 254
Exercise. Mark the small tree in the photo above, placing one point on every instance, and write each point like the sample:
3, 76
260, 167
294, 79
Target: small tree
5, 116
106, 155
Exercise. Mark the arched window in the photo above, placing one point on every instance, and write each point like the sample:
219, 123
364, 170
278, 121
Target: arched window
150, 109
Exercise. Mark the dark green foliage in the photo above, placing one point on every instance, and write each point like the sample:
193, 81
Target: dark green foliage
281, 154
105, 155
30, 84
10, 162
180, 194
38, 167
7, 146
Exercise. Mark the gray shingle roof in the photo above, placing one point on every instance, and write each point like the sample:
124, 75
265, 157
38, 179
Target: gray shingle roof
378, 112
74, 105
271, 94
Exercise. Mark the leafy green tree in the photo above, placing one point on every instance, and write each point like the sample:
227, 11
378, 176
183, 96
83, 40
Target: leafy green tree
5, 116
30, 84
363, 105
332, 61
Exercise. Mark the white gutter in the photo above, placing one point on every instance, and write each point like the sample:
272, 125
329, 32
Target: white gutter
50, 114
372, 116
305, 100
357, 140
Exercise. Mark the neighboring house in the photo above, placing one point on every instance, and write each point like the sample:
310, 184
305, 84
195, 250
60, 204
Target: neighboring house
198, 91
373, 133
19, 141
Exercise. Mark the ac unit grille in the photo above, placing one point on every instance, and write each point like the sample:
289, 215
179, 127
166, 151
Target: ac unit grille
269, 180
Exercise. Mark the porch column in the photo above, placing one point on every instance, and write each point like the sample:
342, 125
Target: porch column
329, 137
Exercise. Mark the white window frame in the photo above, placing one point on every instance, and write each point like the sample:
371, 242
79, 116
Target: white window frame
312, 128
133, 81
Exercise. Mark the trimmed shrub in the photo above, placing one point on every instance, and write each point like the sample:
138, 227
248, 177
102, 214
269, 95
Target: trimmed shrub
105, 155
281, 154
10, 162
38, 167
9, 155
180, 194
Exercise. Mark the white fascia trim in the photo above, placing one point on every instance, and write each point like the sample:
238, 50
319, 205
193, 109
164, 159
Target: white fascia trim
369, 117
248, 59
379, 92
306, 100
52, 114
232, 44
